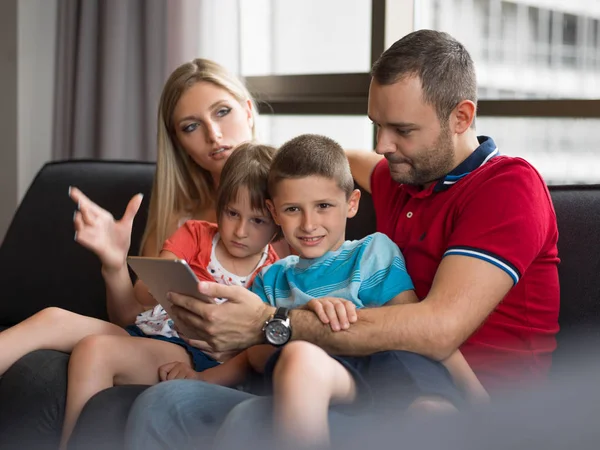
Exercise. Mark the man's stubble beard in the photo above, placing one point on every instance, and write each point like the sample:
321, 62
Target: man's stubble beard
432, 164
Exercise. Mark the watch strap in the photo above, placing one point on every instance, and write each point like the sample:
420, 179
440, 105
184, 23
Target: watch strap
281, 313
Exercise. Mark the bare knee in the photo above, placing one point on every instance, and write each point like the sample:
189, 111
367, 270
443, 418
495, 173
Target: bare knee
431, 405
300, 360
55, 315
95, 349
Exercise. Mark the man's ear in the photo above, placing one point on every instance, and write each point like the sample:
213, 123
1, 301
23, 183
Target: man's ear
462, 116
273, 211
353, 202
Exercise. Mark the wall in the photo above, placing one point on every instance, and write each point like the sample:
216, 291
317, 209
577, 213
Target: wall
27, 50
36, 77
8, 112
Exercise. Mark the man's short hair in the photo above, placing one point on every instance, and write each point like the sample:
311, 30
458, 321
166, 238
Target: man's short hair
311, 155
443, 65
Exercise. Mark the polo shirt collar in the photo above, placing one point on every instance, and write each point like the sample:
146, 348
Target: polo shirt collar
487, 150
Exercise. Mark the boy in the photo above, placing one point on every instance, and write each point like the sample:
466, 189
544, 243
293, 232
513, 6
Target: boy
312, 195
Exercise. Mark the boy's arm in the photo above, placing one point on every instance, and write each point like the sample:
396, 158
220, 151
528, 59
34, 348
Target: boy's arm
460, 371
465, 379
234, 371
230, 373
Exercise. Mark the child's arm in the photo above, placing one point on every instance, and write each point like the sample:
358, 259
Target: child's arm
465, 379
231, 373
460, 371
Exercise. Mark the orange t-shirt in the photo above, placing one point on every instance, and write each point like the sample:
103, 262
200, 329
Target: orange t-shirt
193, 242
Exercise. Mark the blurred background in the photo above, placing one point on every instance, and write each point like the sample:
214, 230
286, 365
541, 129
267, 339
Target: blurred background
81, 78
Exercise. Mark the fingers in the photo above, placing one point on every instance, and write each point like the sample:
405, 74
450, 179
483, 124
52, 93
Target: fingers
216, 290
163, 371
338, 313
351, 312
316, 307
200, 345
193, 322
176, 370
88, 208
133, 207
194, 305
330, 310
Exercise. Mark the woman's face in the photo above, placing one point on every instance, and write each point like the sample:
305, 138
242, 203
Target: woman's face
209, 123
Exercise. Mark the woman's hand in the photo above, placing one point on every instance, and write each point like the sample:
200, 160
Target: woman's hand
97, 230
337, 312
233, 325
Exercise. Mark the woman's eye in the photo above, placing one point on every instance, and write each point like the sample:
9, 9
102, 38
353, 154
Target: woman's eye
223, 112
191, 127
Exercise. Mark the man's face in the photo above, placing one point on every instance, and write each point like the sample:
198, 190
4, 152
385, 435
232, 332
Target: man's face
418, 148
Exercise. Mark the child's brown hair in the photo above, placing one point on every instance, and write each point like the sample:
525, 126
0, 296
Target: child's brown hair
311, 155
247, 167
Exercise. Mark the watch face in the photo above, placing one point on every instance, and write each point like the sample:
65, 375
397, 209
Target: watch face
277, 333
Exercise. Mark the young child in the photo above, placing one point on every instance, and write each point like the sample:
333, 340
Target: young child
104, 354
312, 194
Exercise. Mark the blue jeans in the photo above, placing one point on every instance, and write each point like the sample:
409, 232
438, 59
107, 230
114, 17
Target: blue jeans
186, 414
180, 414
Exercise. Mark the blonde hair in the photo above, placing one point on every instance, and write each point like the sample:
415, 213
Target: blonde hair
179, 183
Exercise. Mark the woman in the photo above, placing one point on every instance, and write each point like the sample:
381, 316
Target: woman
204, 113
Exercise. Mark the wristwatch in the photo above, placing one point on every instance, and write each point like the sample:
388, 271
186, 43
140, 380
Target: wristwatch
278, 330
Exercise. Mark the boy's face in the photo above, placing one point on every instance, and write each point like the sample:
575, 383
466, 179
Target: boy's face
312, 213
245, 231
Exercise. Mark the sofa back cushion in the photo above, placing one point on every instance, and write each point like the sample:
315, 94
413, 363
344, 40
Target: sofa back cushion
40, 263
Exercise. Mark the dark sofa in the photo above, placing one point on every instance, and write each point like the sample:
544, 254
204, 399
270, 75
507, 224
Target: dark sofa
41, 265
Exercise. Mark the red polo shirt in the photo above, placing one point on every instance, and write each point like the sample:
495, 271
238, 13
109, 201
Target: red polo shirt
498, 209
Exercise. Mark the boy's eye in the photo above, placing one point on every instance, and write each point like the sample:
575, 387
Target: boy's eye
223, 112
291, 209
191, 127
325, 205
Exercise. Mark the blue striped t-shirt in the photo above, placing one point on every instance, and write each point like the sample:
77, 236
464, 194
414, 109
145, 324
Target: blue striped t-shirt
368, 272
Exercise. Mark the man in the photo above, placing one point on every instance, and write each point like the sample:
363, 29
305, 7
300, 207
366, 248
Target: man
478, 232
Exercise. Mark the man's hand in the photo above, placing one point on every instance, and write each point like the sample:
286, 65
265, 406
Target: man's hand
202, 345
177, 370
233, 325
97, 230
337, 312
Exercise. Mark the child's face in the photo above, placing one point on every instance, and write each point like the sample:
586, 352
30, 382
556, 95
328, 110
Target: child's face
312, 213
245, 231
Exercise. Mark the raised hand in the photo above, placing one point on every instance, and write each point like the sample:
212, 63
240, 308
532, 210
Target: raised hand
97, 230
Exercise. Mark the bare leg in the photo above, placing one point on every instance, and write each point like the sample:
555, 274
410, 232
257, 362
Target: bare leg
101, 362
427, 405
50, 329
306, 380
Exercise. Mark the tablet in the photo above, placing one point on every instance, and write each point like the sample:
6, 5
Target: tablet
162, 275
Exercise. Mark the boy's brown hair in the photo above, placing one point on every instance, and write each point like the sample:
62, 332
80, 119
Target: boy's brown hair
311, 155
247, 166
